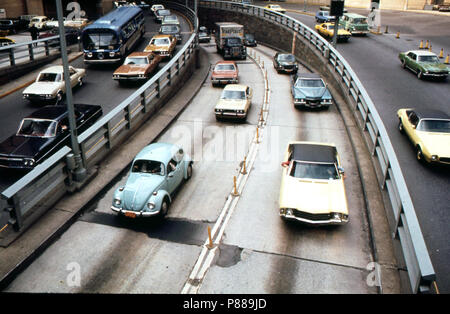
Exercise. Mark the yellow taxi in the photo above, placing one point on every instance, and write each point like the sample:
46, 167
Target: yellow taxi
275, 7
163, 45
327, 31
312, 185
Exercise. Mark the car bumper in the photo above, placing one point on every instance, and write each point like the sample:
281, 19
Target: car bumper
231, 115
40, 98
436, 75
311, 104
204, 39
133, 214
359, 32
297, 216
101, 61
284, 70
224, 80
130, 78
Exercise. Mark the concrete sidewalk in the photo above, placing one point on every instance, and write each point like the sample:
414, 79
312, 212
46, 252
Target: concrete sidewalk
19, 254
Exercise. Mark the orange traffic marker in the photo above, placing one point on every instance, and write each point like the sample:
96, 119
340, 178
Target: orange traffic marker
421, 44
446, 60
441, 54
398, 35
426, 45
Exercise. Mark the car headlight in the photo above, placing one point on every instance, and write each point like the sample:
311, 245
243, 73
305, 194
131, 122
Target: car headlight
326, 101
151, 205
289, 212
28, 162
117, 201
89, 54
434, 157
48, 96
112, 54
26, 95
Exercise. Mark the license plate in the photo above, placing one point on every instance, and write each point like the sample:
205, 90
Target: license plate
131, 215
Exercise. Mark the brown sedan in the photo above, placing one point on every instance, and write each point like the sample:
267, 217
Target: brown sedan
225, 72
138, 66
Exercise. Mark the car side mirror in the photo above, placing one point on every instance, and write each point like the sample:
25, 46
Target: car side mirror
341, 170
285, 164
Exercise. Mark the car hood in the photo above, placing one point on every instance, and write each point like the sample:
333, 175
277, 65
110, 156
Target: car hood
22, 146
287, 63
231, 104
157, 48
436, 143
311, 92
315, 197
138, 189
42, 88
434, 66
131, 69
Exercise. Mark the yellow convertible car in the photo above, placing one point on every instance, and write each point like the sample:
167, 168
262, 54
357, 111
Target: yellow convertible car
429, 132
312, 185
327, 31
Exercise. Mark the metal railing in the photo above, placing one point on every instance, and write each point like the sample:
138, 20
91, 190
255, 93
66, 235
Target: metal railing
406, 226
41, 188
21, 53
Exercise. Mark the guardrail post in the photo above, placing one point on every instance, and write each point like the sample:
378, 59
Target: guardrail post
12, 60
15, 220
30, 51
47, 50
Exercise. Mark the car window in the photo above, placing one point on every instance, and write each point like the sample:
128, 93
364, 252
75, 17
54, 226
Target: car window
438, 126
37, 128
286, 57
171, 166
321, 171
233, 94
309, 83
49, 77
428, 59
225, 67
136, 60
148, 166
160, 41
413, 118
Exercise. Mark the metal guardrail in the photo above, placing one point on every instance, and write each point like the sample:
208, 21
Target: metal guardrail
16, 54
406, 229
42, 187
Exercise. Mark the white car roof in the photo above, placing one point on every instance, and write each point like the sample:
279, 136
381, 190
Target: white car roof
422, 52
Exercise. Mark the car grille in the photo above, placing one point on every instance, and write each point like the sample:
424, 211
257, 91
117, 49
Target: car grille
288, 67
11, 162
235, 51
309, 216
361, 28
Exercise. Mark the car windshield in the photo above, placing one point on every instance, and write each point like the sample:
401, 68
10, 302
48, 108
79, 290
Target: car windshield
309, 83
438, 126
50, 77
136, 60
170, 18
275, 6
325, 13
37, 128
286, 57
169, 28
360, 21
99, 40
429, 59
148, 166
225, 67
160, 42
249, 36
163, 12
308, 170
233, 41
233, 94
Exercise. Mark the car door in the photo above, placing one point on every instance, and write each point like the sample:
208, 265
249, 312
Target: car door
174, 175
410, 60
73, 76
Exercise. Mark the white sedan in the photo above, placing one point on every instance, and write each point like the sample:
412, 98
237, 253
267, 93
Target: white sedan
50, 86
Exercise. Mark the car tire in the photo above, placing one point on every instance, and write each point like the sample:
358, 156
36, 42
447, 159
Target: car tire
189, 171
164, 207
403, 64
400, 127
420, 75
419, 154
59, 97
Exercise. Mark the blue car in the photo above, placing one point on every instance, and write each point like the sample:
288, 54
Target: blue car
156, 172
310, 91
324, 17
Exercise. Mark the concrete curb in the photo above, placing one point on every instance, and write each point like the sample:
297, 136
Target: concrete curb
56, 221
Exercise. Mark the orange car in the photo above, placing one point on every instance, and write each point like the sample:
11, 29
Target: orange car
164, 45
138, 66
225, 72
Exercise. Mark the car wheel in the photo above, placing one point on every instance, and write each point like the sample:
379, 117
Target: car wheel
403, 64
164, 207
419, 75
189, 172
419, 154
59, 97
400, 127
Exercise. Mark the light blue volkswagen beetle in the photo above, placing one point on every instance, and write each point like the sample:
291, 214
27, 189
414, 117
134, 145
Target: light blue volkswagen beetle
156, 172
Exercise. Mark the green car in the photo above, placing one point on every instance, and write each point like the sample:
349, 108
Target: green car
354, 23
424, 64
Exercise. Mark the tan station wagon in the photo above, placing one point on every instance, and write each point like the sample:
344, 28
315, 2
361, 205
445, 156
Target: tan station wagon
164, 45
138, 66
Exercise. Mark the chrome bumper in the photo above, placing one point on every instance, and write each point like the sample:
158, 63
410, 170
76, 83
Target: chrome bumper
138, 214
